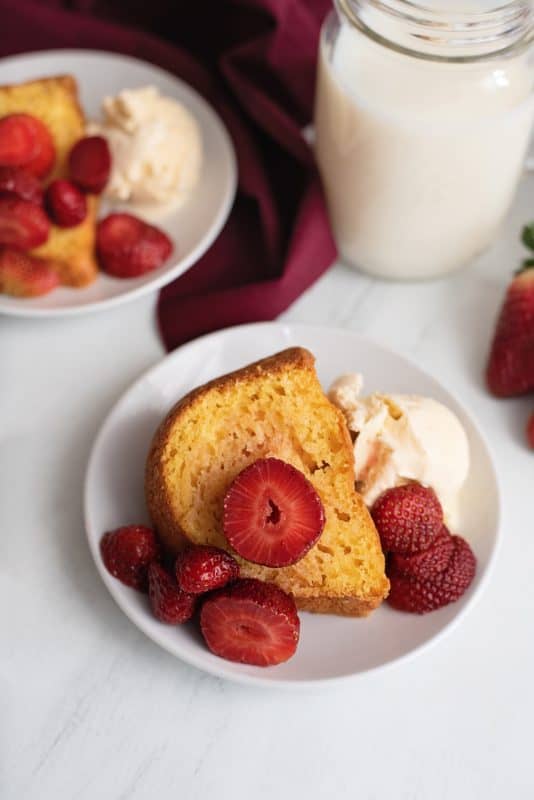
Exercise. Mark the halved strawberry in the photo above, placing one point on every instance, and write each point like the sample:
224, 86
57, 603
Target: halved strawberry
22, 224
272, 514
65, 203
251, 622
17, 143
26, 142
22, 275
128, 247
45, 150
18, 182
90, 163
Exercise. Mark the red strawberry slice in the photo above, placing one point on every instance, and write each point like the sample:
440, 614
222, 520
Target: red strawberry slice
203, 568
510, 369
168, 602
127, 553
26, 142
408, 518
17, 142
18, 182
272, 514
65, 203
90, 163
408, 593
128, 247
22, 275
22, 224
45, 151
426, 563
251, 622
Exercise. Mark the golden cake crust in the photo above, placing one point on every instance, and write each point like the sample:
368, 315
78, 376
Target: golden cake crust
159, 493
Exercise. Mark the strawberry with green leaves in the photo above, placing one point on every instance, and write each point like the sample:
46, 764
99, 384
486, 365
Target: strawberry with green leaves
510, 369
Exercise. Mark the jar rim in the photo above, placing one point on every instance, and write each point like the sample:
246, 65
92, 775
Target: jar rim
441, 35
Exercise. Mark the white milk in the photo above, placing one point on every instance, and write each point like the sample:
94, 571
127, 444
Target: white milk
419, 159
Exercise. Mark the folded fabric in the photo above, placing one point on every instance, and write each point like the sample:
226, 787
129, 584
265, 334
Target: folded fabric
258, 70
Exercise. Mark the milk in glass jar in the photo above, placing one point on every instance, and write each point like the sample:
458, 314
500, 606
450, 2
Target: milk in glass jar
423, 117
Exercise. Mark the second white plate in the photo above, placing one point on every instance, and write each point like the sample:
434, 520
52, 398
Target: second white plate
330, 647
193, 227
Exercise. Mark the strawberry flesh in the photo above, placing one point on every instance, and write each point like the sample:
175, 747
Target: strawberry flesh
127, 553
168, 602
23, 225
409, 593
26, 142
203, 568
22, 275
128, 247
510, 369
65, 204
45, 151
90, 163
18, 182
251, 622
17, 142
272, 513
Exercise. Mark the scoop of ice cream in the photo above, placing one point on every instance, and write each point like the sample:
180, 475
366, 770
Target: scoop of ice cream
155, 144
400, 438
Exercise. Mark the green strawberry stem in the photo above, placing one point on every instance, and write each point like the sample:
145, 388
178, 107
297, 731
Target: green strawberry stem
527, 237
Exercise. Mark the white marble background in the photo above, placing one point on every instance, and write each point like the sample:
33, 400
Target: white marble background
91, 710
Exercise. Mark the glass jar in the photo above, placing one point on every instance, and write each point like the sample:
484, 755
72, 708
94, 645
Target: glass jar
422, 121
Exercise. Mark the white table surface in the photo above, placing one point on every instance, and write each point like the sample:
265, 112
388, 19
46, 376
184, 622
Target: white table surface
90, 709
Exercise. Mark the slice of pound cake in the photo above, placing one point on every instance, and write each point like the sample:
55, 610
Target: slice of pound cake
273, 408
54, 101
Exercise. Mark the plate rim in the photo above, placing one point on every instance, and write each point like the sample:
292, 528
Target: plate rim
223, 670
206, 240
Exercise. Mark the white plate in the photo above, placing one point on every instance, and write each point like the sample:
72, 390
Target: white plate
193, 227
330, 647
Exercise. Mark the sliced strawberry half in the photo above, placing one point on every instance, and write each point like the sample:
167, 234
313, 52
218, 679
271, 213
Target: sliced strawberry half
22, 275
22, 224
251, 622
90, 163
26, 142
128, 247
272, 514
17, 143
18, 182
45, 150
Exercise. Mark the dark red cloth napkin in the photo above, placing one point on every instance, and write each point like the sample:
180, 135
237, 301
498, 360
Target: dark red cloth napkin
254, 60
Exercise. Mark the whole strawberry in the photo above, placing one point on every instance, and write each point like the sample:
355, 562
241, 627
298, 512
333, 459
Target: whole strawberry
408, 518
127, 553
408, 593
530, 430
510, 369
201, 569
168, 602
425, 564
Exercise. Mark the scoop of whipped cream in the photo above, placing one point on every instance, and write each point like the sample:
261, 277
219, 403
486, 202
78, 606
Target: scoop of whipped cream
155, 144
400, 438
